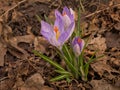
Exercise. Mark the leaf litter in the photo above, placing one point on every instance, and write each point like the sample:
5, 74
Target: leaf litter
19, 35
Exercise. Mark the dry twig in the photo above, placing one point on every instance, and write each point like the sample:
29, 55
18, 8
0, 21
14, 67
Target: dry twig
102, 10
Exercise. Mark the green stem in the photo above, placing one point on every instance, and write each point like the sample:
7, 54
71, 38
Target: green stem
83, 76
77, 67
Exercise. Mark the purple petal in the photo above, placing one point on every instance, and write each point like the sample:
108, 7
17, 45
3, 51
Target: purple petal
48, 33
75, 41
76, 50
67, 33
78, 42
57, 14
46, 30
67, 21
59, 23
66, 10
69, 13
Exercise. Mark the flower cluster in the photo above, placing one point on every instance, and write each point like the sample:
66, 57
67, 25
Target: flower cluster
62, 29
57, 35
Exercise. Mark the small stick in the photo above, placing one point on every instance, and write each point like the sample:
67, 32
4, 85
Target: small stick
101, 11
1, 79
13, 7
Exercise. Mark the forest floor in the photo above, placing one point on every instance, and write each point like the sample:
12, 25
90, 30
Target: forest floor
20, 69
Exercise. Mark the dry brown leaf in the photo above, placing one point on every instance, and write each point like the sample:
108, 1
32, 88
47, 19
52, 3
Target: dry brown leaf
17, 51
112, 39
47, 88
98, 43
103, 69
102, 85
117, 26
4, 30
41, 1
3, 50
35, 80
16, 15
0, 29
27, 88
41, 44
19, 82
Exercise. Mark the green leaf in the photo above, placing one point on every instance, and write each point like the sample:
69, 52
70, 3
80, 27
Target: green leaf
86, 69
60, 77
48, 20
48, 60
67, 53
70, 66
93, 59
80, 61
78, 32
63, 72
68, 80
39, 19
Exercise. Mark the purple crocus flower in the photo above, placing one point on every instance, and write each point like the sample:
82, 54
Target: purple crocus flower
68, 16
78, 45
62, 29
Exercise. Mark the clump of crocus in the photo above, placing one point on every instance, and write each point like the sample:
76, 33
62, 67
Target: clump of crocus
57, 35
62, 29
78, 45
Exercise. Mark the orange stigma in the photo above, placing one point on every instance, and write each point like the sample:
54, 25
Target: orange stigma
79, 40
56, 32
56, 29
64, 13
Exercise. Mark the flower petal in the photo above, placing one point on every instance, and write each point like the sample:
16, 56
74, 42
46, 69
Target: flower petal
69, 13
46, 30
78, 45
76, 49
59, 23
66, 10
65, 35
57, 14
48, 33
67, 21
82, 44
72, 14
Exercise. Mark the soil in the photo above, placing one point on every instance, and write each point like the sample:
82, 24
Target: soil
20, 69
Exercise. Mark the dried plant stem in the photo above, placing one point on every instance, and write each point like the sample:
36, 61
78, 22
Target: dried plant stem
13, 7
81, 5
102, 10
1, 79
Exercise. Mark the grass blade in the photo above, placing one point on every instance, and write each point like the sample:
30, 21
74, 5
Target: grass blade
48, 60
59, 78
63, 72
38, 18
93, 59
68, 54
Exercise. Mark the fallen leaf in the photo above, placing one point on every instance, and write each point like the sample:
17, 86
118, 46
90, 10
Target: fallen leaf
112, 39
98, 43
47, 88
102, 85
35, 80
41, 44
15, 50
3, 50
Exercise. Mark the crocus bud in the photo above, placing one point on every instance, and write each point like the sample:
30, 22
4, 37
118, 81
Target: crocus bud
78, 45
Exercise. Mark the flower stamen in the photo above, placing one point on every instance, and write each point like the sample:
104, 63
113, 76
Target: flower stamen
64, 13
79, 40
56, 32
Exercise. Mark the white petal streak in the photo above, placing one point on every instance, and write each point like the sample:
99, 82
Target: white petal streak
67, 21
76, 49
